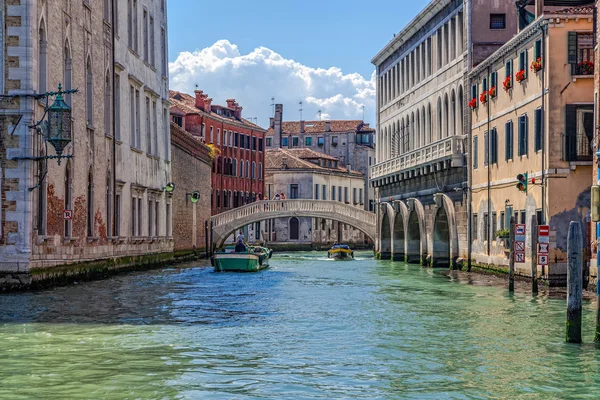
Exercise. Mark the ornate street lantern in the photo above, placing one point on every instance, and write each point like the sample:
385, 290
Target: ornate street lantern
59, 131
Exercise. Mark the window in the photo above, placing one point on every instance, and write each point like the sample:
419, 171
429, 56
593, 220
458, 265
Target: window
523, 138
248, 142
320, 141
130, 23
68, 198
135, 26
486, 149
324, 192
89, 93
340, 194
294, 191
145, 34
224, 137
475, 227
284, 141
148, 127
107, 106
494, 225
295, 141
494, 81
152, 46
523, 214
247, 169
360, 196
508, 140
537, 129
475, 152
537, 49
242, 141
497, 21
494, 146
260, 144
218, 135
260, 171
241, 168
253, 170
475, 94
163, 51
581, 53
90, 205
150, 219
354, 196
308, 141
484, 85
134, 232
333, 193
508, 69
539, 216
316, 191
334, 140
138, 112
167, 134
117, 107
346, 195
156, 219
236, 139
42, 59
486, 227
523, 62
579, 132
269, 142
168, 225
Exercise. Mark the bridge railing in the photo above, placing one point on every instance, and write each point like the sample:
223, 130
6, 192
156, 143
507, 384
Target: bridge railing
302, 206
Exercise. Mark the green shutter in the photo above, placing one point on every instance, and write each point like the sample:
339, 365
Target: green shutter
572, 48
571, 133
538, 129
475, 145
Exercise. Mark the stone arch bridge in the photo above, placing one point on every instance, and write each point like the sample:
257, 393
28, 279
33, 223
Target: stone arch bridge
226, 223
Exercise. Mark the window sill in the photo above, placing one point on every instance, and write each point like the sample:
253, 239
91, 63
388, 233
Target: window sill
132, 51
69, 239
91, 239
43, 239
575, 77
137, 239
136, 150
90, 127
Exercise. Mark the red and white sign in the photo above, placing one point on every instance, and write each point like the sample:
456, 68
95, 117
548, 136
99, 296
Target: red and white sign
520, 229
519, 256
542, 259
543, 248
544, 230
68, 214
519, 246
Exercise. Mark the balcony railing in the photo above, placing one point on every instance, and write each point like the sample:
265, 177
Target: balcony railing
435, 151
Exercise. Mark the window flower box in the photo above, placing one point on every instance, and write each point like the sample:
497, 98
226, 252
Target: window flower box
520, 76
536, 66
586, 68
507, 83
483, 97
493, 92
473, 104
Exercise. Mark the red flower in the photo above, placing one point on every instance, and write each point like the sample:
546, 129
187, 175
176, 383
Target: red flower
492, 91
520, 76
537, 65
473, 103
483, 97
586, 68
507, 83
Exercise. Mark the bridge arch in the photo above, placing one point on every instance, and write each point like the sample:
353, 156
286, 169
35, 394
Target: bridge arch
416, 233
444, 246
224, 224
386, 229
399, 237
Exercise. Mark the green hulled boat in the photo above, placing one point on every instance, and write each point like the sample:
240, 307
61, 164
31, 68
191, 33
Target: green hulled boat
253, 259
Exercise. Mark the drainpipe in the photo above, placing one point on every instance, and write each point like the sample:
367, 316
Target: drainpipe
489, 166
114, 126
543, 27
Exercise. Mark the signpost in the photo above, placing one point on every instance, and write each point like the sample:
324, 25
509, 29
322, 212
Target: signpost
519, 241
519, 256
543, 245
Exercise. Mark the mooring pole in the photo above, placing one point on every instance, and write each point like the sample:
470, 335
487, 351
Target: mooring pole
207, 250
511, 261
534, 244
574, 283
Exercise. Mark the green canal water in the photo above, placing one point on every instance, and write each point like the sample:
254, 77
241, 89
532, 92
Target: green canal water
308, 328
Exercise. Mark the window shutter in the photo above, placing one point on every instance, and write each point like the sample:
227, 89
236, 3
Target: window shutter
486, 148
526, 62
507, 141
494, 155
525, 134
571, 133
494, 79
537, 50
572, 46
538, 129
475, 155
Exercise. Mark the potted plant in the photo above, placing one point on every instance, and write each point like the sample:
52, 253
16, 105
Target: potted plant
483, 97
473, 103
502, 234
520, 76
586, 68
493, 92
507, 83
536, 66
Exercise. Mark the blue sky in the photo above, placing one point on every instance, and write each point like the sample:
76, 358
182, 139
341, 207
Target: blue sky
343, 34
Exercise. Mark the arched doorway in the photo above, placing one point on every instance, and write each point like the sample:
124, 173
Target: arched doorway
386, 238
294, 229
441, 239
413, 242
399, 242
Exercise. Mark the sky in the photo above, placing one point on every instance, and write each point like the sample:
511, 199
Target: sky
317, 52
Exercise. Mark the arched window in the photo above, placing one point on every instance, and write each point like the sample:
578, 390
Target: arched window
459, 128
446, 115
229, 199
107, 10
253, 170
260, 171
107, 105
68, 198
234, 172
241, 168
89, 92
453, 121
90, 204
247, 169
417, 135
42, 196
439, 119
218, 199
219, 164
294, 229
42, 58
108, 205
429, 125
68, 73
225, 200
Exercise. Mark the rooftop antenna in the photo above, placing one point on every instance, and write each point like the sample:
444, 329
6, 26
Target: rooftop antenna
363, 110
319, 115
300, 110
273, 104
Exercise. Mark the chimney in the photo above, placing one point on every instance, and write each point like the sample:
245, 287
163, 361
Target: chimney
230, 103
200, 102
237, 112
539, 8
301, 126
327, 126
277, 126
207, 103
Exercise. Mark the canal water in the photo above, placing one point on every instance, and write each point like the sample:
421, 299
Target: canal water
308, 328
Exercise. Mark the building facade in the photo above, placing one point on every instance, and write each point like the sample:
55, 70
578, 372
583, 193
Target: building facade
420, 175
308, 174
539, 121
191, 167
351, 142
76, 211
239, 146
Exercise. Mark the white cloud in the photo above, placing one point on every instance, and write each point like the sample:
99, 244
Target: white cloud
254, 78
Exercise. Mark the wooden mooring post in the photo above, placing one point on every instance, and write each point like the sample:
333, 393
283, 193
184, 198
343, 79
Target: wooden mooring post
511, 261
534, 245
574, 282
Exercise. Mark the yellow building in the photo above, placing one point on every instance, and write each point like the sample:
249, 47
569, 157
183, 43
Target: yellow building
531, 104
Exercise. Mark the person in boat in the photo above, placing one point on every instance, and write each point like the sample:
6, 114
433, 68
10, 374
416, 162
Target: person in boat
240, 247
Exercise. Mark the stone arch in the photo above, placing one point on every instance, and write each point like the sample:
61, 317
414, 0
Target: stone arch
416, 233
399, 234
446, 119
439, 120
445, 234
386, 229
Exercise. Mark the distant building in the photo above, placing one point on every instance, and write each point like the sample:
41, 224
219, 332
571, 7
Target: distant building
238, 168
351, 142
191, 167
538, 121
307, 174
